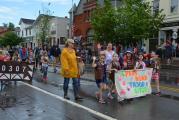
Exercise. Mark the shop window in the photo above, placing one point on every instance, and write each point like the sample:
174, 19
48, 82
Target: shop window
62, 40
29, 31
174, 6
156, 6
26, 32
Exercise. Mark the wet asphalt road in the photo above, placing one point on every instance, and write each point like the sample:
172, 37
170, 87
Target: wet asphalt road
32, 104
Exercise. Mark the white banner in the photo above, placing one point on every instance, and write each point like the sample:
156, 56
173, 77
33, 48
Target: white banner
133, 83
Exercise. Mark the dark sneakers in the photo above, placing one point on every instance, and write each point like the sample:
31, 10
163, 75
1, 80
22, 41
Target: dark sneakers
66, 97
78, 98
158, 93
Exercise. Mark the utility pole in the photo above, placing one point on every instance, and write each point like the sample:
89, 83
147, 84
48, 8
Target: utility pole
72, 28
115, 2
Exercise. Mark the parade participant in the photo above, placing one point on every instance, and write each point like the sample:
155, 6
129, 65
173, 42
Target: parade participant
37, 56
16, 56
44, 61
128, 60
109, 54
140, 64
55, 56
100, 75
23, 53
114, 67
128, 63
81, 65
147, 59
155, 64
30, 57
69, 68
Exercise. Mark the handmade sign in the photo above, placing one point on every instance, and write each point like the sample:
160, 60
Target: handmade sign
16, 71
133, 83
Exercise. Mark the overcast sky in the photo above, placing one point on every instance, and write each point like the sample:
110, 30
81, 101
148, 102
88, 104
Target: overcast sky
13, 10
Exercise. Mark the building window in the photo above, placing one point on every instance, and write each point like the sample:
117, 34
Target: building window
58, 41
174, 6
90, 35
87, 15
53, 32
26, 32
156, 6
62, 40
29, 31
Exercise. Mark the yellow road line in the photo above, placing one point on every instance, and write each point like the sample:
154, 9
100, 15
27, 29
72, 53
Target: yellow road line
169, 88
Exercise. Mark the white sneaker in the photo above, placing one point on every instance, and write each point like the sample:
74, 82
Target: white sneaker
119, 99
110, 96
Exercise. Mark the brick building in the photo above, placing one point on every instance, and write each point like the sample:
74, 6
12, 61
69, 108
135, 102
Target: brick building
82, 28
3, 30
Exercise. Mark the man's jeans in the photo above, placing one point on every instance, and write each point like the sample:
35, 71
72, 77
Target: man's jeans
75, 86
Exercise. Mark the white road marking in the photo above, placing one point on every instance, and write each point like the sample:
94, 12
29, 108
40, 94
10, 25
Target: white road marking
72, 103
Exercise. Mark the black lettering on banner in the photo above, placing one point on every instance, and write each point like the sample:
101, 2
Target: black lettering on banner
3, 68
23, 68
10, 68
14, 71
17, 68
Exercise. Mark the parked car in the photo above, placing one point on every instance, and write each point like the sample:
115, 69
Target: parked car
4, 55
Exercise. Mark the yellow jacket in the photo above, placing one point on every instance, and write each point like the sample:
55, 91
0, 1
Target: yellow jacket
69, 68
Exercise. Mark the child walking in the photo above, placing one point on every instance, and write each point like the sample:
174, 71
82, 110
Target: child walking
100, 75
45, 61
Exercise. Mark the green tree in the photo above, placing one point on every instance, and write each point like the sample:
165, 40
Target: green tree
10, 26
103, 22
130, 23
44, 28
44, 25
11, 39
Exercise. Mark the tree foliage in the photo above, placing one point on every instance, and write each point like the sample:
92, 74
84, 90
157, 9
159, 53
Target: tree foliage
10, 26
44, 25
131, 22
44, 28
103, 22
11, 39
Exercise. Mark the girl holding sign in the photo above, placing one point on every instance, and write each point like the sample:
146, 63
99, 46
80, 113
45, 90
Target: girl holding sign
128, 60
114, 67
140, 64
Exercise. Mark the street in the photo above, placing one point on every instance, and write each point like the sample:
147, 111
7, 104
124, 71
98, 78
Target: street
41, 101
